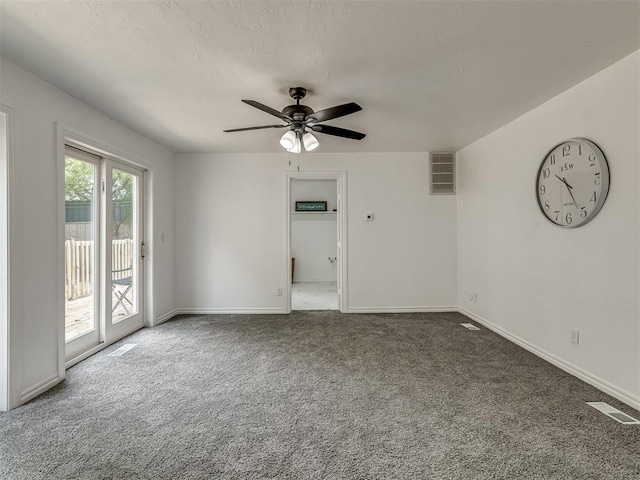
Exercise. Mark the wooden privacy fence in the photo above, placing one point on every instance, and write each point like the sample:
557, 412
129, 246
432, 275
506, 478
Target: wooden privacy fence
78, 266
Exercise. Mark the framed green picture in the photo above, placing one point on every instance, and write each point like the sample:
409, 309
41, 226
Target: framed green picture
311, 206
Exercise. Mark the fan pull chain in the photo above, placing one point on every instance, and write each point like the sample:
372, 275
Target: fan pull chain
297, 157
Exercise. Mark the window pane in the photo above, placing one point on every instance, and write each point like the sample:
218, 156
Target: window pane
80, 306
122, 249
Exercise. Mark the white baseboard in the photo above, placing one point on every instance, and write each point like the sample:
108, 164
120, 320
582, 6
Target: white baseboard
166, 316
40, 387
399, 309
608, 388
281, 311
230, 311
315, 280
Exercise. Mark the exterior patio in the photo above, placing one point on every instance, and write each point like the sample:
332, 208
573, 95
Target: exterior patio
79, 271
79, 314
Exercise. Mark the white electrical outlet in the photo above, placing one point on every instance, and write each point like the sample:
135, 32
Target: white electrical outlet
575, 336
280, 292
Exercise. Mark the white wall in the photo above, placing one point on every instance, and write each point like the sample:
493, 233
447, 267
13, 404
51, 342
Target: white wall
231, 249
314, 235
536, 281
34, 328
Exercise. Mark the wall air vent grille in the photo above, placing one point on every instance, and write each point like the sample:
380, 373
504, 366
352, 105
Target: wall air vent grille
442, 173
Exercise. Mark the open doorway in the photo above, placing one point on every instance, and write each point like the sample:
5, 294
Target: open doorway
316, 240
314, 244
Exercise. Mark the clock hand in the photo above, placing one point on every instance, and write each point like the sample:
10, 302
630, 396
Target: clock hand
569, 188
572, 197
571, 193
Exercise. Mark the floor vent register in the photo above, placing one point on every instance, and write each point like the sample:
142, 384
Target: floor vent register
614, 413
469, 326
122, 350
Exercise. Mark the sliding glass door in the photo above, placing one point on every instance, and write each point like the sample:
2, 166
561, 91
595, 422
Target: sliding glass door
103, 250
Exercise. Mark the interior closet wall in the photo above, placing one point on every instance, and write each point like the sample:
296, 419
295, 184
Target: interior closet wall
314, 234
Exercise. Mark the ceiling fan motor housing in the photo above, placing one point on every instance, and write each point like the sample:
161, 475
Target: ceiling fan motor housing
297, 112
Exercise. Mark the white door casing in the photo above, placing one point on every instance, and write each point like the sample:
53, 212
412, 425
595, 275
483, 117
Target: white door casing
341, 180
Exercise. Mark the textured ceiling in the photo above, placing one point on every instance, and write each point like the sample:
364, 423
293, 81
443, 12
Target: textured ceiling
429, 75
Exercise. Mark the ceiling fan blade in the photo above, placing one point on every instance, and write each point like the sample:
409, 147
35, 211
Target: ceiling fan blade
337, 131
269, 110
333, 112
255, 128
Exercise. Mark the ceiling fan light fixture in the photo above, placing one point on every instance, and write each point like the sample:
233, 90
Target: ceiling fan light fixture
310, 142
288, 140
297, 145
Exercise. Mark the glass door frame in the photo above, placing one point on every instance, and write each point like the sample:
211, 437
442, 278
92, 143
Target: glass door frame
92, 338
136, 319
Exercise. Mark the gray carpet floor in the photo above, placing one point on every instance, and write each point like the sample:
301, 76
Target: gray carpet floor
317, 395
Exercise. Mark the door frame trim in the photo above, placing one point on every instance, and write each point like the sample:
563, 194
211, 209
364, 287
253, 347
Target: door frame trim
341, 178
11, 374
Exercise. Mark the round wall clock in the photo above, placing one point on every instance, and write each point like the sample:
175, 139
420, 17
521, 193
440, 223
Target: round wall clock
572, 183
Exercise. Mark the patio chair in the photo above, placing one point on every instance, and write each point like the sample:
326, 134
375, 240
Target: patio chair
122, 286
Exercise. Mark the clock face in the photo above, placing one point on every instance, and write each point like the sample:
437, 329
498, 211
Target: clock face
572, 183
